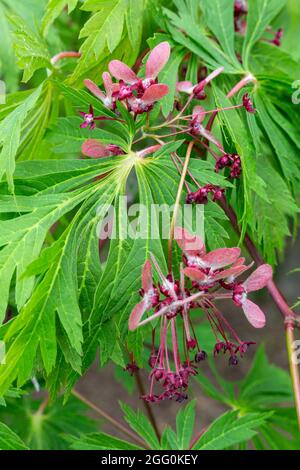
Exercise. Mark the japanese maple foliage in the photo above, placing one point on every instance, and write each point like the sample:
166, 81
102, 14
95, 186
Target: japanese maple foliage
126, 106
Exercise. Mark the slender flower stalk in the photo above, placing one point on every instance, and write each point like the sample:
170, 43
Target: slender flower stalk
177, 203
208, 274
65, 55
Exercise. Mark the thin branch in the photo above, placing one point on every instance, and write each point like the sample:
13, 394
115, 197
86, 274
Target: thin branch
177, 202
64, 55
109, 419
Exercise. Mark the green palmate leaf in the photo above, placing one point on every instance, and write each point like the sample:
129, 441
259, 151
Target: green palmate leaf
53, 10
184, 425
286, 152
43, 428
22, 237
9, 440
56, 293
134, 14
282, 431
196, 40
33, 126
102, 31
168, 439
266, 390
218, 15
31, 51
272, 227
260, 15
140, 424
273, 64
115, 27
100, 441
230, 429
10, 135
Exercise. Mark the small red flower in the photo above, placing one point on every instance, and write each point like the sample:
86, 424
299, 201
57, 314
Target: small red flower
150, 297
150, 96
89, 119
158, 58
256, 281
95, 149
110, 88
198, 90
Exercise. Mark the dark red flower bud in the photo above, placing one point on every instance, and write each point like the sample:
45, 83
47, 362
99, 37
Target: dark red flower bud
132, 368
199, 92
233, 360
278, 37
223, 162
191, 344
200, 356
248, 105
152, 360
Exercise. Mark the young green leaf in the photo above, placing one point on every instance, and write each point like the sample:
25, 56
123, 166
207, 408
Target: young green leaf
230, 429
218, 16
185, 420
53, 10
9, 440
140, 424
31, 50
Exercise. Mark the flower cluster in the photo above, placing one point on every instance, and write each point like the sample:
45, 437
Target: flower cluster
205, 278
137, 94
201, 195
231, 161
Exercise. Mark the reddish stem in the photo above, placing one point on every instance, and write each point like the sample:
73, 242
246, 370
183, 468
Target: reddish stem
64, 55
